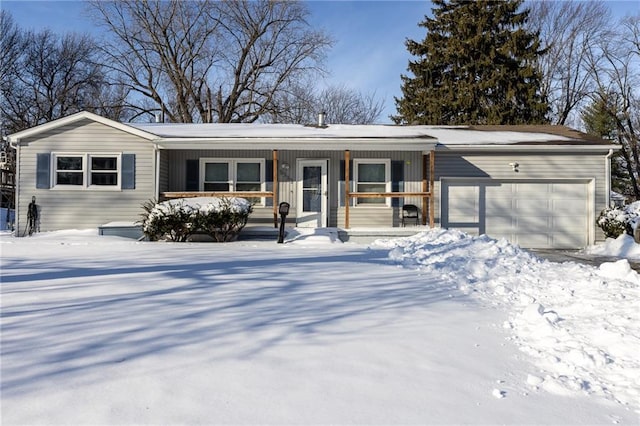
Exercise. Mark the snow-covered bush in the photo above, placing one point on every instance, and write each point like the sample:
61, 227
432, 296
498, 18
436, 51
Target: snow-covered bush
177, 220
615, 221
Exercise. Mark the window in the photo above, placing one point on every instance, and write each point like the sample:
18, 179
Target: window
216, 177
82, 171
104, 171
233, 175
372, 176
69, 170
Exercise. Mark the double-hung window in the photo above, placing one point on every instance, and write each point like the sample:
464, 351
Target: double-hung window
372, 175
103, 170
86, 171
233, 175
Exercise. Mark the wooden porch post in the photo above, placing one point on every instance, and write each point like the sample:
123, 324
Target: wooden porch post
347, 185
432, 177
275, 188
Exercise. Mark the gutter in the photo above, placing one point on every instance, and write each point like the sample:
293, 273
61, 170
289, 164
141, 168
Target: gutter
443, 149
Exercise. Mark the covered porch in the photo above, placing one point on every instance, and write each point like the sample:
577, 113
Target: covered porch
349, 199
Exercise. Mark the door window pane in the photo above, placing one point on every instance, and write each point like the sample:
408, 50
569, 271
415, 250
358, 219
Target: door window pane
311, 188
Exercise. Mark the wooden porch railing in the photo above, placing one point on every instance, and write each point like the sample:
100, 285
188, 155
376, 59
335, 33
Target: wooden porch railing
428, 171
240, 194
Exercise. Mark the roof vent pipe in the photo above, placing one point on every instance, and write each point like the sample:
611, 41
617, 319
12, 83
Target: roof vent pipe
321, 122
158, 117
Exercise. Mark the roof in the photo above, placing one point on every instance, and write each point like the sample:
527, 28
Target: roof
83, 115
335, 136
447, 135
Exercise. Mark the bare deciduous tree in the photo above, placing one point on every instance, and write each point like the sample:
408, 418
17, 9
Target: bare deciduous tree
163, 51
615, 66
301, 104
567, 30
50, 77
210, 61
12, 44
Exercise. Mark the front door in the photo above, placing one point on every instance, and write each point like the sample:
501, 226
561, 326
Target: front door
312, 194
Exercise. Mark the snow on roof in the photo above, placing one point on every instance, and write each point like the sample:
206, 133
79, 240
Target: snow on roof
277, 131
445, 135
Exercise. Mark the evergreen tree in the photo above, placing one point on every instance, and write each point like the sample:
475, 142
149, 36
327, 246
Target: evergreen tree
597, 118
477, 65
599, 121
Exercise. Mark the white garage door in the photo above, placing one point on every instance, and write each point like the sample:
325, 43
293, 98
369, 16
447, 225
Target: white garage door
532, 214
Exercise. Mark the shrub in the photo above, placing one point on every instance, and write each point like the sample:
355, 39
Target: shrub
177, 220
614, 221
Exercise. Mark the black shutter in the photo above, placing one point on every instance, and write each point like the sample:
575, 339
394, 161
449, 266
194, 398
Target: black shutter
193, 175
268, 171
43, 171
397, 180
128, 171
350, 170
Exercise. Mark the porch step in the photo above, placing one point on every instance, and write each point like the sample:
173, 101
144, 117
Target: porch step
369, 235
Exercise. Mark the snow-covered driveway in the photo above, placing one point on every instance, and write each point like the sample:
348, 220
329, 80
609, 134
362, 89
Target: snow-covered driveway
99, 330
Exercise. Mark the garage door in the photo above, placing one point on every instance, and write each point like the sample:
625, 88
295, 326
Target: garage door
532, 214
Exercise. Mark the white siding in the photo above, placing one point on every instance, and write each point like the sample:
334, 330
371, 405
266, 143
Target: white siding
69, 209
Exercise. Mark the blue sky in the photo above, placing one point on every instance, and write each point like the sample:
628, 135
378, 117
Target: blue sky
368, 55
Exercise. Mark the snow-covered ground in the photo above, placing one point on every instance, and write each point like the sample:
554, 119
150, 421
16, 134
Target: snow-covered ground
431, 329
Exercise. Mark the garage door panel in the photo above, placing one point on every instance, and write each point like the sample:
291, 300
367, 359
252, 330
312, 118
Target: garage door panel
533, 239
567, 240
570, 223
566, 207
535, 214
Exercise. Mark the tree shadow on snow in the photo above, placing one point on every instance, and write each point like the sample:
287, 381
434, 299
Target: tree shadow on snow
72, 320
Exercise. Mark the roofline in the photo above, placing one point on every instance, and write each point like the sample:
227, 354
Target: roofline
82, 115
316, 144
574, 148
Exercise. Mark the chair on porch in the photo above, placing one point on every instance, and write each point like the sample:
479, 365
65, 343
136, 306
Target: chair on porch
409, 214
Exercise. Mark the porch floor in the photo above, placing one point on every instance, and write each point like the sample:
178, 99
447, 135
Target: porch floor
355, 235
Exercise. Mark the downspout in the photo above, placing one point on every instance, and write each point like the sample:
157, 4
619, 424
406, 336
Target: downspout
157, 172
15, 144
607, 187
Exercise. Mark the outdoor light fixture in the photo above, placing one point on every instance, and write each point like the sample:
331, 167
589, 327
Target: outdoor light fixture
514, 166
284, 167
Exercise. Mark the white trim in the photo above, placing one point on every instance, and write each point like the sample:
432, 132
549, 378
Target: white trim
387, 179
